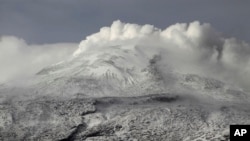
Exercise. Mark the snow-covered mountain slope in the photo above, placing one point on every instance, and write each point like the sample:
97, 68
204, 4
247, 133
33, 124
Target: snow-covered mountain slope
136, 82
129, 60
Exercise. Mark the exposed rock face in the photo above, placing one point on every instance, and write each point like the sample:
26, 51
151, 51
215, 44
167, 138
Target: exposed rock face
152, 117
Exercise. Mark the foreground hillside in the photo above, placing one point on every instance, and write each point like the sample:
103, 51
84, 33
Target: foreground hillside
152, 117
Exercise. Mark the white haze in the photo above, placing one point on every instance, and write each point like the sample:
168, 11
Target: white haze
193, 48
19, 60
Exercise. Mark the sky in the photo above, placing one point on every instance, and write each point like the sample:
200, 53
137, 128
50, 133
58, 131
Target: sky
53, 21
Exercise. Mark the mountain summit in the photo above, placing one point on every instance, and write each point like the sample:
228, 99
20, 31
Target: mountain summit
129, 59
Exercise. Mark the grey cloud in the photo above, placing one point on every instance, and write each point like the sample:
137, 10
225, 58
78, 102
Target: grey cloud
70, 21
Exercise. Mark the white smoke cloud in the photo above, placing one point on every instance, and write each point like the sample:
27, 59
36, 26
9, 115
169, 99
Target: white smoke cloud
193, 48
19, 59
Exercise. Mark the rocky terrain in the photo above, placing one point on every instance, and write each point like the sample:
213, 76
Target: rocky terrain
152, 117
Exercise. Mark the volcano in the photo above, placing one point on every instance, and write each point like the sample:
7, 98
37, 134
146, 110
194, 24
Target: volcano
133, 82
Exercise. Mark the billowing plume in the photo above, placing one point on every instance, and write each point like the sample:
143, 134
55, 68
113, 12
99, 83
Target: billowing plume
192, 48
19, 59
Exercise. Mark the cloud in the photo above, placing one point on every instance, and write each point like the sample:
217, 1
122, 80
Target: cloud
192, 48
19, 59
51, 21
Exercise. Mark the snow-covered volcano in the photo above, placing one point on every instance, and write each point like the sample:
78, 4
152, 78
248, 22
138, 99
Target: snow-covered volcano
142, 67
129, 59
